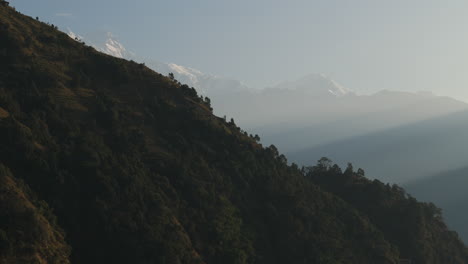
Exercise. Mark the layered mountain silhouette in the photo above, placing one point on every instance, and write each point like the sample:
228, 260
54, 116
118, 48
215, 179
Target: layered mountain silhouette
106, 161
402, 154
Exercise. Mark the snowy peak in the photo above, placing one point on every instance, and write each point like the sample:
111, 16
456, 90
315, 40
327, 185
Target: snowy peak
113, 47
184, 73
104, 42
74, 36
207, 84
316, 84
184, 70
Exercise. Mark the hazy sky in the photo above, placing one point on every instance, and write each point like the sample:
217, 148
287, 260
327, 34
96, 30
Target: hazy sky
366, 45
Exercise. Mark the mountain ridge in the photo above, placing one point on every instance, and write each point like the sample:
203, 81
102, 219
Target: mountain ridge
137, 169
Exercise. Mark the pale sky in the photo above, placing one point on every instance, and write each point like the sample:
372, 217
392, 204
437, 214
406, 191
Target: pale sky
366, 45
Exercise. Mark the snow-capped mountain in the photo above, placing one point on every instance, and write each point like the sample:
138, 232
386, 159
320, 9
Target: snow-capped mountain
115, 48
206, 84
315, 84
104, 42
74, 36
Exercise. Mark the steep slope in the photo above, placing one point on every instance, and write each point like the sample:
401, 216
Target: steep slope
137, 169
28, 232
401, 154
448, 191
127, 159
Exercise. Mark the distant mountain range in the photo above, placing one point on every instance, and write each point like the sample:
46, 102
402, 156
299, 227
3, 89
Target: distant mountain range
294, 120
291, 105
401, 154
315, 84
315, 116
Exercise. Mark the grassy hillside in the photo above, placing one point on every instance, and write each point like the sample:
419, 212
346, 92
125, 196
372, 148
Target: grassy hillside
137, 169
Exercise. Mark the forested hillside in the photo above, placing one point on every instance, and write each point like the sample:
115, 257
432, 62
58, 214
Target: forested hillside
416, 228
106, 161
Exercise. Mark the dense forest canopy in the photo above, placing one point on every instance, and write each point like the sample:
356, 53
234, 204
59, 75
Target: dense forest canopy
105, 161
